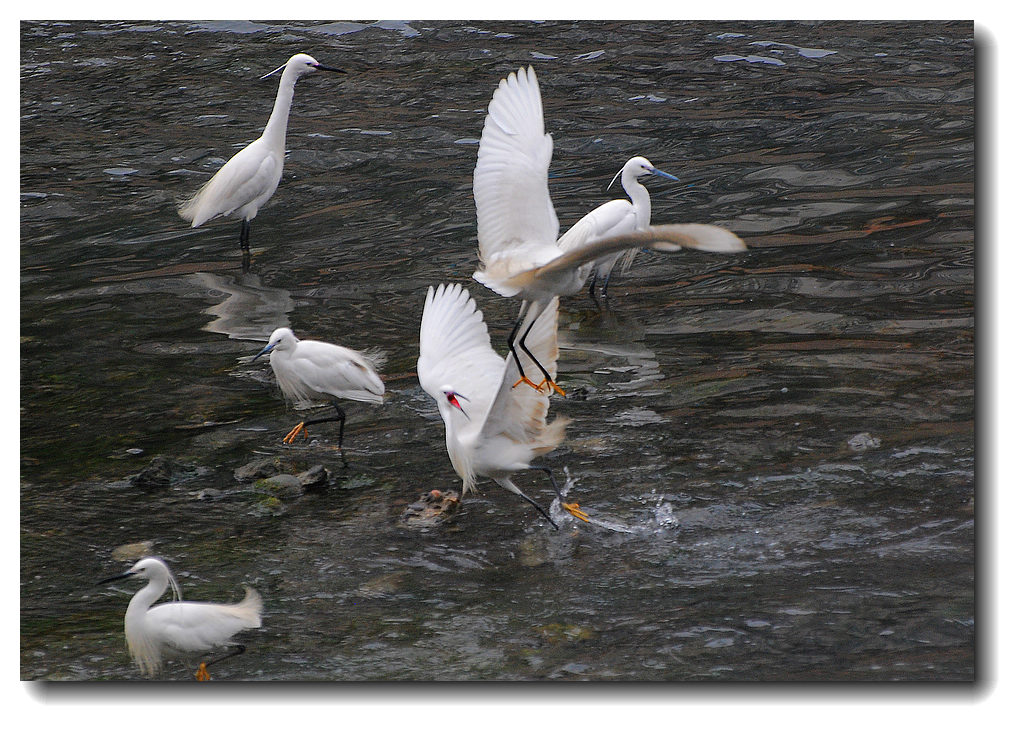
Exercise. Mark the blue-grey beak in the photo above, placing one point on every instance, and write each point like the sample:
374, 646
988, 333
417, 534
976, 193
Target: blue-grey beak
321, 67
662, 173
270, 347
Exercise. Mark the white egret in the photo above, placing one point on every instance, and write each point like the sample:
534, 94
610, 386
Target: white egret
311, 371
517, 230
180, 628
491, 430
615, 217
248, 179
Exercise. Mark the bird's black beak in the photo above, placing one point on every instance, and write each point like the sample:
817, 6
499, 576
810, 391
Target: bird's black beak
321, 67
125, 575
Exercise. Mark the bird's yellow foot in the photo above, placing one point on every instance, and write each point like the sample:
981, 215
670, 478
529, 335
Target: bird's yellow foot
576, 512
555, 388
528, 382
201, 673
299, 428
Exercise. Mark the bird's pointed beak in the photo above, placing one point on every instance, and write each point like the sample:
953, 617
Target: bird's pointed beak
662, 173
266, 350
321, 67
453, 399
125, 575
266, 76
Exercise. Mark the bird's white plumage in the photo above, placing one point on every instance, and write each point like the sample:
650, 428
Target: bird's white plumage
248, 180
311, 371
499, 430
180, 627
616, 217
517, 228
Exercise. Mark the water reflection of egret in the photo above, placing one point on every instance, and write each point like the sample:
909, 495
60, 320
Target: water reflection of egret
616, 217
251, 308
311, 371
517, 228
180, 628
251, 176
491, 429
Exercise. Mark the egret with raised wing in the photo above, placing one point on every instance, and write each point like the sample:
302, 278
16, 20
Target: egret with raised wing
616, 217
311, 372
517, 230
248, 179
179, 628
491, 430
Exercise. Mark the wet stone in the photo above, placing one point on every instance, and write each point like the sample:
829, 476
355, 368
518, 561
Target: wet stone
164, 471
282, 486
315, 478
432, 509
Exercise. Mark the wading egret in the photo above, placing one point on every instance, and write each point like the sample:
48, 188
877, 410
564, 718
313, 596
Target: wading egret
248, 179
311, 372
179, 628
616, 217
517, 230
490, 429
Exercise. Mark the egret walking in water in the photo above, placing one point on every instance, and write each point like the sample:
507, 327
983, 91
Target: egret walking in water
517, 230
616, 217
491, 430
248, 179
179, 628
310, 371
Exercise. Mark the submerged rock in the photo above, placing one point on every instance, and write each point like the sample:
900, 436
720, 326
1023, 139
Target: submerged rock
431, 509
163, 471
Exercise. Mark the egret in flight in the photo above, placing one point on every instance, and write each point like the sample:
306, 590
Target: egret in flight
615, 217
180, 628
311, 372
248, 179
491, 430
517, 230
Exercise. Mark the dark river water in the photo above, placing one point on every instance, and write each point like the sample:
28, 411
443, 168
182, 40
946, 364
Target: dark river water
777, 447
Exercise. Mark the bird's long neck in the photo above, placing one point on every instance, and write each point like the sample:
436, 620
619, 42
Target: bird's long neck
144, 599
641, 200
277, 125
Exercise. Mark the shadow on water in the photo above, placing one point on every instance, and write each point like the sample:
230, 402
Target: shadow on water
777, 447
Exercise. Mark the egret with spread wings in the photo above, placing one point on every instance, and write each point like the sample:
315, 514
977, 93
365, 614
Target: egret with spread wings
517, 230
491, 430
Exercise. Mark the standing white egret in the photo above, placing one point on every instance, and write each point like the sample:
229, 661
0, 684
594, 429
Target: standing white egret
180, 628
616, 217
517, 230
491, 430
249, 178
310, 371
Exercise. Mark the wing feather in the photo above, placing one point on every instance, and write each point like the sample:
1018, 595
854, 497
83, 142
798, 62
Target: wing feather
510, 181
455, 350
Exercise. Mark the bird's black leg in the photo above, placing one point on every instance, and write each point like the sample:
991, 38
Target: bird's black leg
340, 418
543, 370
202, 674
512, 347
243, 239
537, 505
551, 476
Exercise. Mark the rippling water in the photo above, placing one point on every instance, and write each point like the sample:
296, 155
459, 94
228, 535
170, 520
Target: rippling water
778, 446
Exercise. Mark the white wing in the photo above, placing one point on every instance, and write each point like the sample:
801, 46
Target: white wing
519, 414
608, 219
331, 370
510, 181
455, 350
252, 174
199, 626
666, 237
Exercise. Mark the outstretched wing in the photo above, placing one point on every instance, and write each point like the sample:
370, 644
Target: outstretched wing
455, 350
667, 237
510, 181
